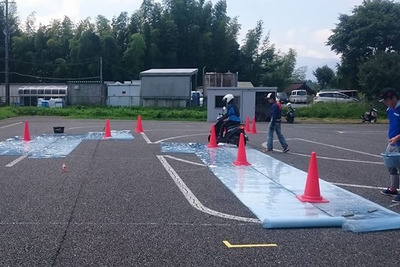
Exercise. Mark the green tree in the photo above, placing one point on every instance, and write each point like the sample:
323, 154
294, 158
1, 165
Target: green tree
373, 27
382, 70
133, 58
249, 60
324, 75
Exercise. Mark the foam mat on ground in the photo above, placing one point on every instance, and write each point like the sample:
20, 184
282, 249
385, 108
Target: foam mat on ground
268, 187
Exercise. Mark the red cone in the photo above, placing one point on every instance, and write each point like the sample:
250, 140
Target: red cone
311, 192
247, 125
213, 138
139, 127
253, 126
27, 136
107, 131
241, 159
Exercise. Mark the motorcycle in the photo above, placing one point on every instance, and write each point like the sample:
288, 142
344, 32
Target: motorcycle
291, 113
232, 135
370, 116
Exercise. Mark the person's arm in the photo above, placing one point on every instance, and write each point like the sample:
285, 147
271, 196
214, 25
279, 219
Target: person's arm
273, 114
394, 140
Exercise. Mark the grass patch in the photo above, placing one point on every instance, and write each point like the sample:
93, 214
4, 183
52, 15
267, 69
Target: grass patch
320, 112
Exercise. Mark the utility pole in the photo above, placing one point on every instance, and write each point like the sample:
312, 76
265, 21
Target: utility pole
6, 41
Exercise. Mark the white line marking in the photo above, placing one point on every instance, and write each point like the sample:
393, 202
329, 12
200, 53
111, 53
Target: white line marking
12, 163
176, 137
337, 159
186, 161
361, 132
192, 199
359, 186
338, 147
146, 138
10, 125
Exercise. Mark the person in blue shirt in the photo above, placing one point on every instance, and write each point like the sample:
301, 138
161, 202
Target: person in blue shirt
275, 124
232, 114
389, 97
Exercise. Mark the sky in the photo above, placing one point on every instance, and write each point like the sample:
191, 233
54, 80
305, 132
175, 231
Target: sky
303, 25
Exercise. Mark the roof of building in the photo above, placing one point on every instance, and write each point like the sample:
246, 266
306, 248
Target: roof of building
169, 72
245, 84
30, 87
298, 86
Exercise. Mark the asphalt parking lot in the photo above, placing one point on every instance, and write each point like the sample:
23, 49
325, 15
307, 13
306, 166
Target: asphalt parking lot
117, 205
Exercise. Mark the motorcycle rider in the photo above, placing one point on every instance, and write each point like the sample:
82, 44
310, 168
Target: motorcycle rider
232, 115
290, 114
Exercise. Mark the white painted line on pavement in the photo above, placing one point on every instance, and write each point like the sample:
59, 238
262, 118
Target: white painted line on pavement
338, 159
186, 161
192, 199
146, 138
338, 147
359, 186
10, 125
12, 163
176, 137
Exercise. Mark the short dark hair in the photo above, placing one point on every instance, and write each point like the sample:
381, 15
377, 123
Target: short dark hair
386, 93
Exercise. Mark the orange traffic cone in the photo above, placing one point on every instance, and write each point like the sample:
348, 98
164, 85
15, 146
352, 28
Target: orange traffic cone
213, 138
107, 131
311, 192
241, 159
139, 127
253, 126
27, 136
247, 125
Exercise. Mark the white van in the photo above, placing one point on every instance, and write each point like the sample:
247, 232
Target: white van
298, 96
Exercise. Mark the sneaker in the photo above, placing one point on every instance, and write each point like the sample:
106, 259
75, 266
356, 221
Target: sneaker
268, 149
388, 192
396, 199
286, 149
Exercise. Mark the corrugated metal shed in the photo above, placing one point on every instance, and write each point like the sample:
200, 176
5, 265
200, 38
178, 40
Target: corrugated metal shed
167, 87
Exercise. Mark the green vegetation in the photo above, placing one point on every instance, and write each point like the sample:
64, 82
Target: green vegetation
84, 112
319, 111
344, 111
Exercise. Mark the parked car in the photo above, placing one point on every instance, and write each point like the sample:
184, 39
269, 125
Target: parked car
298, 96
333, 97
283, 97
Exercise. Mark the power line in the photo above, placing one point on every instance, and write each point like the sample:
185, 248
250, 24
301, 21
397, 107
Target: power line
53, 78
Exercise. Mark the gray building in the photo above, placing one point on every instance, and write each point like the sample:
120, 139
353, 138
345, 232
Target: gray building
167, 87
250, 101
86, 93
124, 94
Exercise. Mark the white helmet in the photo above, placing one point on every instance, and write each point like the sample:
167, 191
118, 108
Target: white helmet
228, 98
289, 104
271, 96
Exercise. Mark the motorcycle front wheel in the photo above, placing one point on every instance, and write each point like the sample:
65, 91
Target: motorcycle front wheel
234, 139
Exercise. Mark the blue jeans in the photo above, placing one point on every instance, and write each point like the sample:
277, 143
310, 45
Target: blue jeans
270, 135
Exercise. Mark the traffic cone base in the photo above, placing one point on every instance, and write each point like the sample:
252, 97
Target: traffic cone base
27, 136
213, 138
241, 159
139, 127
312, 192
107, 131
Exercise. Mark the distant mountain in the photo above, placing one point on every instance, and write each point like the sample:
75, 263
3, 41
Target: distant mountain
314, 63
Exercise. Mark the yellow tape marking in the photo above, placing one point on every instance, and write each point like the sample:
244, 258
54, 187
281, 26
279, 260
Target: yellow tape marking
229, 245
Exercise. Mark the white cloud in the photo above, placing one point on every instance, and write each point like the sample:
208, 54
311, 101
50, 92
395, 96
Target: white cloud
291, 34
321, 36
